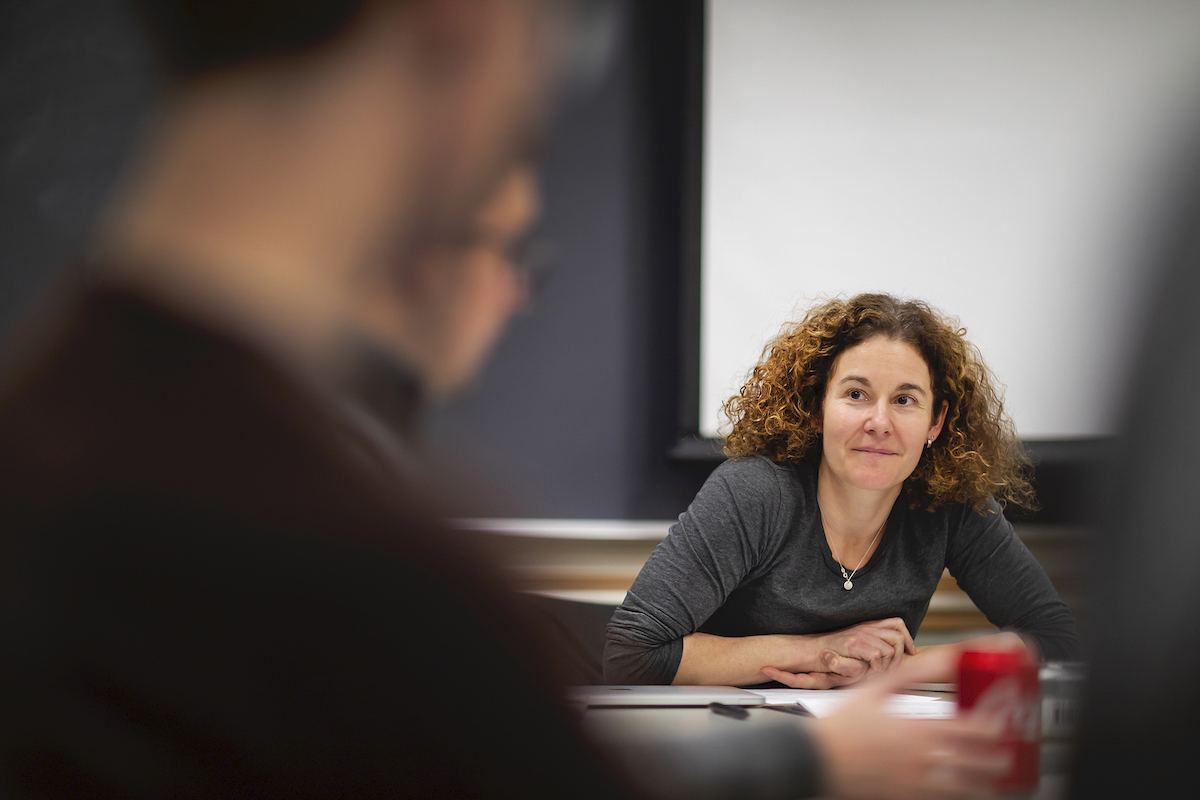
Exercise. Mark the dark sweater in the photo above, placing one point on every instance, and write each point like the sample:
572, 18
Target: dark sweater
749, 557
206, 593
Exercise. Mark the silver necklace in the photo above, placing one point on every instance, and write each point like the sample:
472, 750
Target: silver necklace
849, 584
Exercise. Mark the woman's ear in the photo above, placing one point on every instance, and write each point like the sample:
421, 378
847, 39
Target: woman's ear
936, 428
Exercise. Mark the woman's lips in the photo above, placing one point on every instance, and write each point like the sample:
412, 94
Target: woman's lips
875, 451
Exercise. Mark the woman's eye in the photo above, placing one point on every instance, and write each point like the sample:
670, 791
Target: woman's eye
855, 394
905, 400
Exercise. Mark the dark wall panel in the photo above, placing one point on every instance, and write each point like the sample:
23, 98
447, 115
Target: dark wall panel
576, 415
75, 84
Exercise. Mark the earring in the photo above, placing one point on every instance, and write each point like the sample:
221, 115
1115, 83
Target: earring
929, 443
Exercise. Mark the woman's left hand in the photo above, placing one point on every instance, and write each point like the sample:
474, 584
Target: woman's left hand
839, 671
879, 644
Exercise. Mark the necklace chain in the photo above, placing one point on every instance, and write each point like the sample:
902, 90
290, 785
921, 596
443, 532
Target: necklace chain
849, 584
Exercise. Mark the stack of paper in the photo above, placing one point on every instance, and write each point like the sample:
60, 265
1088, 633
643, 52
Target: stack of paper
823, 702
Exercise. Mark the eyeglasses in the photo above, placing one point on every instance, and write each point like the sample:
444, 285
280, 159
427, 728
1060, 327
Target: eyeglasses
531, 258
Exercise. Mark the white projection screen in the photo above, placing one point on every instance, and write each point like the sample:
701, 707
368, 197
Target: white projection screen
996, 158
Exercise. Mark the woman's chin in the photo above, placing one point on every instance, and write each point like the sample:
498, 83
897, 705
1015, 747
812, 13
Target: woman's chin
873, 482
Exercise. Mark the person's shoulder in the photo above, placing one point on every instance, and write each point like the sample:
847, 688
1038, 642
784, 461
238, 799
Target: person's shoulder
789, 485
965, 518
760, 469
970, 513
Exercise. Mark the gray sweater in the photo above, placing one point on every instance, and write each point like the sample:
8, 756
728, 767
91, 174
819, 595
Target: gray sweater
749, 557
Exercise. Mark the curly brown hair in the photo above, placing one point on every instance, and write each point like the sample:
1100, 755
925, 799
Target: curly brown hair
978, 456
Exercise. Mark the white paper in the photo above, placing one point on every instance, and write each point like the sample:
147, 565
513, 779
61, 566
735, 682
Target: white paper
823, 702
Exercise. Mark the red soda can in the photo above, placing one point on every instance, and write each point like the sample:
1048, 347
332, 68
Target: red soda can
1003, 685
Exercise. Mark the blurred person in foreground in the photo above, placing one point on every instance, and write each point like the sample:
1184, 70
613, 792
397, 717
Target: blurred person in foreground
207, 590
1138, 726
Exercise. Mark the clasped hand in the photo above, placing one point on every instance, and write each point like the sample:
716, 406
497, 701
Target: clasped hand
850, 654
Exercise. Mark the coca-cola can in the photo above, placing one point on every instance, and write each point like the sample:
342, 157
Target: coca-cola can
1003, 685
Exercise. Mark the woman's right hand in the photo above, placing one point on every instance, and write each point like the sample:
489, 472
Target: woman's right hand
851, 654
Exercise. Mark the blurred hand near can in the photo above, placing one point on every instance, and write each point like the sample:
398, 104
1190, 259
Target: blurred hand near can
869, 753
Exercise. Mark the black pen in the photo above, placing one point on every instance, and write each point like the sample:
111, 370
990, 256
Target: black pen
729, 711
794, 708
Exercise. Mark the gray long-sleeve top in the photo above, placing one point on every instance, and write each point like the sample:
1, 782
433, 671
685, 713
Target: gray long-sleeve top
749, 557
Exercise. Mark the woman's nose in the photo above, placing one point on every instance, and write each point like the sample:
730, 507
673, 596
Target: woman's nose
879, 420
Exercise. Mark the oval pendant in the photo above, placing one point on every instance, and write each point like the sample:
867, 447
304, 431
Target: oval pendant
848, 585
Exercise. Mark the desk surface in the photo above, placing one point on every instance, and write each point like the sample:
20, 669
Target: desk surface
625, 724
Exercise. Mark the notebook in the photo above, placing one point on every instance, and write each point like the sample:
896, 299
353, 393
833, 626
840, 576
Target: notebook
663, 695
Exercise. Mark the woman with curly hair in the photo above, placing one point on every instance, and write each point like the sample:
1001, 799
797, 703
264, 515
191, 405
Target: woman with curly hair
870, 451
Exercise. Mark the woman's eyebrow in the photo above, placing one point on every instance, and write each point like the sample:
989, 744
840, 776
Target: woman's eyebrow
904, 387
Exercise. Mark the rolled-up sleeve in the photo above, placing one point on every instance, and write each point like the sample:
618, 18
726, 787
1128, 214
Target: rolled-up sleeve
706, 555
